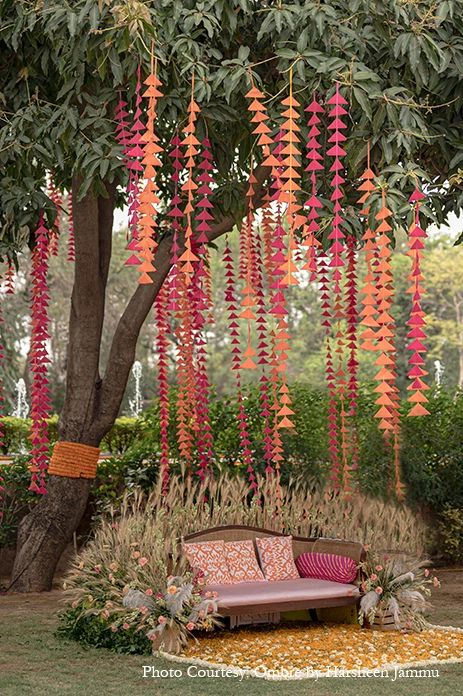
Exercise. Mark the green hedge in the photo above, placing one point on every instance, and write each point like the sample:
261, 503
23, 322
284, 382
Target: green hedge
122, 435
16, 433
431, 450
431, 453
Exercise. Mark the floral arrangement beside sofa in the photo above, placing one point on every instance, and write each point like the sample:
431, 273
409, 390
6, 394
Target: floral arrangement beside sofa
172, 615
397, 586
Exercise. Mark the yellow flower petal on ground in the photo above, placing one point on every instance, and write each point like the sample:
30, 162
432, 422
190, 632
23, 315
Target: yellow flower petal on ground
325, 646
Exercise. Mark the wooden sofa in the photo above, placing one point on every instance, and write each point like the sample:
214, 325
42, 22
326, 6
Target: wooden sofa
289, 595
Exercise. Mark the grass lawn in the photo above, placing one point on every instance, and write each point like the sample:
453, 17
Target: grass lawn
34, 661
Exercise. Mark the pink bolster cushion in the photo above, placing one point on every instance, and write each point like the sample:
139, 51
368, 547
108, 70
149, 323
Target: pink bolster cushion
326, 566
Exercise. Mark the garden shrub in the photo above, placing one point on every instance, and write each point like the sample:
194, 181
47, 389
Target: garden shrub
123, 434
451, 535
431, 452
120, 437
16, 500
16, 433
94, 630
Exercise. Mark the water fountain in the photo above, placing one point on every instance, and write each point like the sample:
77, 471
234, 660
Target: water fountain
438, 372
22, 407
136, 404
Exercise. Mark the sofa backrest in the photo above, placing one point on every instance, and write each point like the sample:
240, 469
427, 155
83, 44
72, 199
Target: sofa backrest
352, 549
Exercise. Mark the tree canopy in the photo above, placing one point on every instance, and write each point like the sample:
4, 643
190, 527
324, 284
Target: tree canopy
65, 65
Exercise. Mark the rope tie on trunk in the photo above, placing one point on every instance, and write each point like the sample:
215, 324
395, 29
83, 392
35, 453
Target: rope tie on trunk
74, 460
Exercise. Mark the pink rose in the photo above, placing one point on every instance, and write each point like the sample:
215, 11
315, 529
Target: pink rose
159, 595
125, 626
136, 554
190, 626
379, 590
143, 610
208, 594
149, 592
373, 577
142, 561
162, 620
378, 568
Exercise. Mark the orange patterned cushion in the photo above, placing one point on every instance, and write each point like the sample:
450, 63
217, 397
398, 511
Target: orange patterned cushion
242, 562
276, 558
209, 557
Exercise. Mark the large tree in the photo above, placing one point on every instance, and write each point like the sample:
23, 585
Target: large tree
62, 67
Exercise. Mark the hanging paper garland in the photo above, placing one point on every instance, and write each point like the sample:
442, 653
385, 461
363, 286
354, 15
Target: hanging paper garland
175, 213
160, 310
186, 401
40, 401
352, 361
190, 141
333, 435
148, 198
260, 118
199, 289
55, 196
314, 204
232, 310
280, 344
335, 312
417, 321
370, 310
71, 237
290, 175
9, 278
262, 352
249, 300
130, 143
133, 155
385, 332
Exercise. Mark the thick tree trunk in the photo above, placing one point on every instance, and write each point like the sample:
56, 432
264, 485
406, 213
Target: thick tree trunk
44, 533
91, 404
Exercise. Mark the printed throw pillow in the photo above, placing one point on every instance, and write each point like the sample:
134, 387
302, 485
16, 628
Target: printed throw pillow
326, 566
209, 558
276, 558
242, 562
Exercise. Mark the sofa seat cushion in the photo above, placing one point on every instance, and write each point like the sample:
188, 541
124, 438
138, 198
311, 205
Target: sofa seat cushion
300, 589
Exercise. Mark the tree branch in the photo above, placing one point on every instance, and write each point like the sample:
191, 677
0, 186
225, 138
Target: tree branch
93, 221
122, 352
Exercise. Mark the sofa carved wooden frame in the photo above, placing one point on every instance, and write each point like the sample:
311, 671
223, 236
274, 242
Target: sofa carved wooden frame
352, 549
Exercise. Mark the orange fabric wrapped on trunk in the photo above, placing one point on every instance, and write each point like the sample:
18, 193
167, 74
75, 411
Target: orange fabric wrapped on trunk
74, 460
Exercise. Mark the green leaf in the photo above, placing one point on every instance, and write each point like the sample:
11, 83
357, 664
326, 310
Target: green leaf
363, 101
72, 23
